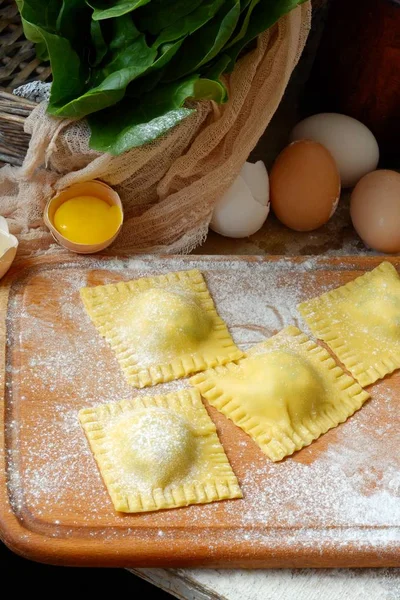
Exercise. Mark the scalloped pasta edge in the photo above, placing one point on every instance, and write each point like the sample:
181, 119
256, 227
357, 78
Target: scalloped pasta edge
276, 443
316, 315
221, 486
222, 347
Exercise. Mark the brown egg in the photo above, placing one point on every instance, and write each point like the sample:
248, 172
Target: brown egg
375, 210
305, 185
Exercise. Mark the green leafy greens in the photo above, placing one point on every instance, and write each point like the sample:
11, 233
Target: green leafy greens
130, 66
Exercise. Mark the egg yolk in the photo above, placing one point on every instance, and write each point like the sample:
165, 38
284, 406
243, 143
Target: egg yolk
87, 220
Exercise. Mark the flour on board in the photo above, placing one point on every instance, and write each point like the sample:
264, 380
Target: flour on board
353, 485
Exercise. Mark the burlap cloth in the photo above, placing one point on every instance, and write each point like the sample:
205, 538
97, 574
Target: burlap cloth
169, 187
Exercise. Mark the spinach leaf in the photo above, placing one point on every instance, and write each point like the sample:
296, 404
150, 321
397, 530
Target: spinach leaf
69, 71
131, 64
46, 19
124, 65
41, 51
167, 52
144, 84
149, 79
128, 57
244, 4
133, 124
209, 89
190, 23
73, 19
215, 69
137, 134
201, 47
45, 15
264, 15
243, 24
122, 31
49, 21
98, 42
103, 10
160, 14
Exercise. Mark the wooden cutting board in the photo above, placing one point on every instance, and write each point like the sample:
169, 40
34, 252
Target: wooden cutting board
335, 503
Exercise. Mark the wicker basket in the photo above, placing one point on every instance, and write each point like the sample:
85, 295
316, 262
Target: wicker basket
13, 140
18, 65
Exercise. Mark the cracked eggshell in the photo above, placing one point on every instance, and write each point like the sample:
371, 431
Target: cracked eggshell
256, 177
8, 247
243, 208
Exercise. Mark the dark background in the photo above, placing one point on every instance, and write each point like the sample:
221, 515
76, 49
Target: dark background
68, 578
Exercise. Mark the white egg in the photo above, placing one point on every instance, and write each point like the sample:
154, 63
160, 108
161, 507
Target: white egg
352, 144
242, 210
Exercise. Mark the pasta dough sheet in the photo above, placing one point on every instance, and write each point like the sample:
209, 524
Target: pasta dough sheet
285, 394
159, 452
161, 328
360, 322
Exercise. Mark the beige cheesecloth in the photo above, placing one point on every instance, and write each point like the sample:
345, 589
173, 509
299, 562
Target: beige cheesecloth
169, 187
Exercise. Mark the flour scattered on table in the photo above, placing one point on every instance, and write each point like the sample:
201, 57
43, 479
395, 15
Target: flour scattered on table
346, 487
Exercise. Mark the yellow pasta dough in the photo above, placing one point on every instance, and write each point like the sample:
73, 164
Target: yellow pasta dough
161, 328
159, 452
285, 394
360, 321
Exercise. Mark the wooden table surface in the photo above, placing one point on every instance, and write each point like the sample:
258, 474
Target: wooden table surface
336, 238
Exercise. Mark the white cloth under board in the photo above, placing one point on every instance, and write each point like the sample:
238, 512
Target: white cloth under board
276, 584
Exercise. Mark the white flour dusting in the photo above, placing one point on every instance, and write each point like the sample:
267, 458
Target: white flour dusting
156, 464
345, 490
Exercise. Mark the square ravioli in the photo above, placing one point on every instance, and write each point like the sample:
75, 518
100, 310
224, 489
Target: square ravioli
360, 322
161, 328
285, 394
159, 452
